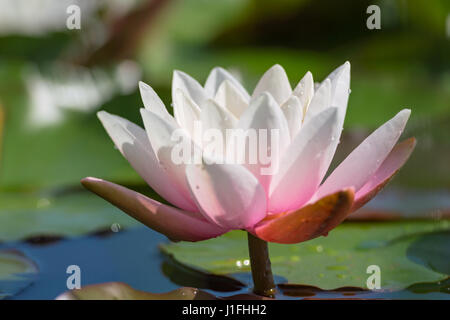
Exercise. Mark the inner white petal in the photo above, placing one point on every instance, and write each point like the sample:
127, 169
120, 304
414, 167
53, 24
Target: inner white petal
230, 98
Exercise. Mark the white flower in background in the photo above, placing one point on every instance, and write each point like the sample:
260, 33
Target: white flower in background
37, 17
67, 87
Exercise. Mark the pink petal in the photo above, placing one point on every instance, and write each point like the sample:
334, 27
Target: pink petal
363, 162
390, 166
299, 172
133, 143
227, 194
308, 222
160, 134
176, 224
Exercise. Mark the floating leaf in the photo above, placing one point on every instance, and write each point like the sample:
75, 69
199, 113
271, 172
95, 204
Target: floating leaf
339, 260
181, 274
298, 290
16, 272
27, 216
122, 291
428, 287
433, 251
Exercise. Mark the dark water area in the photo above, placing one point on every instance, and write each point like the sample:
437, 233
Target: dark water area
133, 256
130, 256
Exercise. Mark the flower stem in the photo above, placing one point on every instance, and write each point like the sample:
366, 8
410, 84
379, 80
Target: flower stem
261, 269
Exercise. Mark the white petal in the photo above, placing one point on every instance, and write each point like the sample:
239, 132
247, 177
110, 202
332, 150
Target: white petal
229, 97
305, 90
186, 112
276, 82
189, 85
362, 163
132, 141
215, 79
152, 101
264, 118
340, 87
320, 101
214, 116
299, 174
215, 121
340, 90
164, 137
229, 195
293, 112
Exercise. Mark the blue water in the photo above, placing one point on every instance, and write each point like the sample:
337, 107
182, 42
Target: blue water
130, 256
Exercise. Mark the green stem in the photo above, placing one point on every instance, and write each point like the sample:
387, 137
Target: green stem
261, 269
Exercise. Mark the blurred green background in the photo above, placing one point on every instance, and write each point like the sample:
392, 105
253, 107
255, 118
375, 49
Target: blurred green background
53, 81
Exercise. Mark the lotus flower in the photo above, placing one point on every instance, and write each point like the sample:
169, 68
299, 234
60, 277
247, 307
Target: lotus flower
208, 199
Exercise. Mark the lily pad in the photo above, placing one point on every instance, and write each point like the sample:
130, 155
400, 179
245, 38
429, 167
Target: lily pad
339, 260
425, 251
16, 272
122, 291
29, 215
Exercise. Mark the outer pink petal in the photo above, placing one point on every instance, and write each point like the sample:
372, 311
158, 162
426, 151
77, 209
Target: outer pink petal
395, 160
160, 133
176, 224
133, 143
364, 161
308, 222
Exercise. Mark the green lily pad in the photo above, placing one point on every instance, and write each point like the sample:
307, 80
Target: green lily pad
425, 251
428, 287
29, 215
339, 260
16, 272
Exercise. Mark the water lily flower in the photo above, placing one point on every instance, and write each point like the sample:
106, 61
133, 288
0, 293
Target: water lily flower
293, 204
